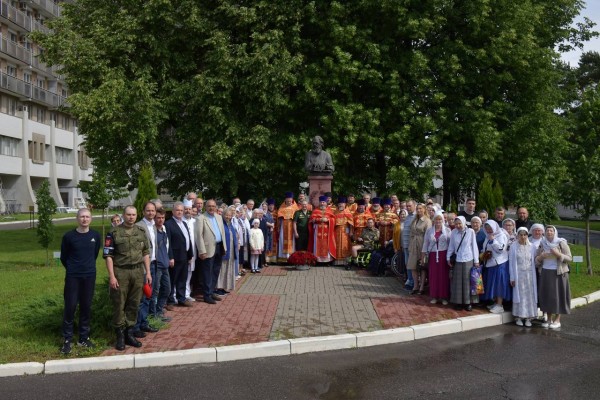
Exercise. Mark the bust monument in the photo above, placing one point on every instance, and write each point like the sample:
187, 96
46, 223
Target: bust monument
318, 161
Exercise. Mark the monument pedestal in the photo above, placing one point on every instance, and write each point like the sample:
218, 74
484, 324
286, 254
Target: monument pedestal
318, 185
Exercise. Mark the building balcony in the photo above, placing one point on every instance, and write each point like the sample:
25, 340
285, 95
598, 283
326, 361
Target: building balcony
48, 6
28, 92
25, 55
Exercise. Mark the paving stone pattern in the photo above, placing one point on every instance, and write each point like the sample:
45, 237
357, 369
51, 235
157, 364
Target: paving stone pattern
283, 303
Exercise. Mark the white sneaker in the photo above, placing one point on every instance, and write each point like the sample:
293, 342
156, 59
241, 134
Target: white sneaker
433, 301
190, 299
497, 309
528, 323
545, 325
554, 325
519, 322
445, 302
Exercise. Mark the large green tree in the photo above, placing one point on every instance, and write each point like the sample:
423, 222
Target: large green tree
224, 97
581, 186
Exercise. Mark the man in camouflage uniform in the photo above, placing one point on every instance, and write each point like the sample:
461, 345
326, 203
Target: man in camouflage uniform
127, 256
369, 239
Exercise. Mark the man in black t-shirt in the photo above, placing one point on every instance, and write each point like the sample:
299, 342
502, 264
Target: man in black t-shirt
469, 211
78, 252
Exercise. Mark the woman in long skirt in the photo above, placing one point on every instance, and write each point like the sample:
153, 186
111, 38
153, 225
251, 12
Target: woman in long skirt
464, 246
522, 279
555, 292
436, 246
226, 280
496, 276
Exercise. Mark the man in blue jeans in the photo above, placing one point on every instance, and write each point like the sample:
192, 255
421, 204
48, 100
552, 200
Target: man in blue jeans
78, 253
162, 283
142, 325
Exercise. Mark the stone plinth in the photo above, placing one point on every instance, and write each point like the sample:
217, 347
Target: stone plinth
318, 186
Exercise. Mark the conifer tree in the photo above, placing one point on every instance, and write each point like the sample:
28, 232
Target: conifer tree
146, 189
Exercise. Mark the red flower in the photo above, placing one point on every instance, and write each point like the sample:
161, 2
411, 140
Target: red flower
302, 258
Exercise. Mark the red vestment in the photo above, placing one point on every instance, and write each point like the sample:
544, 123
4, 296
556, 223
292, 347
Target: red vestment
322, 244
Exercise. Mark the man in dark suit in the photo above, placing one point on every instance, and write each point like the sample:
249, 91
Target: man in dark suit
210, 241
181, 245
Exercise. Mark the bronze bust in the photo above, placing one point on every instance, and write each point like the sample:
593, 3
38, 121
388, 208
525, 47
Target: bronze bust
318, 161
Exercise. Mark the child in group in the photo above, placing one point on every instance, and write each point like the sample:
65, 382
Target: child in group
257, 245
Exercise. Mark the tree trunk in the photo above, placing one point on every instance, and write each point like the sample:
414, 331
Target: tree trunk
588, 256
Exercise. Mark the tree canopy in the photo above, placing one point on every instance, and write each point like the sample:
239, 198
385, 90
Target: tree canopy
224, 96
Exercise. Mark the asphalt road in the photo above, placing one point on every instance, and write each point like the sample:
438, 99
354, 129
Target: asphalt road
503, 362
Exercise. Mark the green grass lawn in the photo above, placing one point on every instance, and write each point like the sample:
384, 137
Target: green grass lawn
594, 225
27, 216
31, 304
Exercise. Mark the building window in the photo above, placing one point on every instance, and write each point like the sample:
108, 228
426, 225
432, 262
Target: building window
37, 148
11, 70
11, 106
63, 156
83, 160
8, 146
27, 77
41, 83
40, 114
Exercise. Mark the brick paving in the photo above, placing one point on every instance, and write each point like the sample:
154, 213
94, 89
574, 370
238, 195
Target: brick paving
283, 303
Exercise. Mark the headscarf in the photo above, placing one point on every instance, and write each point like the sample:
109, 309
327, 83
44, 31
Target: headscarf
496, 230
505, 221
548, 246
256, 221
464, 223
537, 226
526, 231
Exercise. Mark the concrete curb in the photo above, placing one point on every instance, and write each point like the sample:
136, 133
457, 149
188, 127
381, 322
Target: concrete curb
272, 349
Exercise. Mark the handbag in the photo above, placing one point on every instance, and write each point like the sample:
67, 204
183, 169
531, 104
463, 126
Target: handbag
453, 256
476, 281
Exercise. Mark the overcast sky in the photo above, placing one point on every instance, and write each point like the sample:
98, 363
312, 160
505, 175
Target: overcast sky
592, 11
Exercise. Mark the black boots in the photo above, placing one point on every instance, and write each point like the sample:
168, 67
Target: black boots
130, 339
125, 336
120, 339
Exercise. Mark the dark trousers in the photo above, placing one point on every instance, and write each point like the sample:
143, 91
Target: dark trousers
178, 275
161, 289
144, 307
197, 281
78, 290
211, 267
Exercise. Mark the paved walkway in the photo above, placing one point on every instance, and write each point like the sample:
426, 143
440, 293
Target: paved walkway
283, 303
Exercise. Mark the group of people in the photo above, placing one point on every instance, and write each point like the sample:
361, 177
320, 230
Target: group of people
202, 251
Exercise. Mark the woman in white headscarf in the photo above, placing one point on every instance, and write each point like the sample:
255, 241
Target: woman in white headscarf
522, 279
555, 292
463, 247
495, 271
435, 247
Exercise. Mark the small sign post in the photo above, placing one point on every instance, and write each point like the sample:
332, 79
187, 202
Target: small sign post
57, 258
577, 260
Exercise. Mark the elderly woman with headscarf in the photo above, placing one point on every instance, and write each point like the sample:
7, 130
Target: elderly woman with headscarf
462, 255
554, 292
522, 278
536, 233
434, 251
418, 227
495, 271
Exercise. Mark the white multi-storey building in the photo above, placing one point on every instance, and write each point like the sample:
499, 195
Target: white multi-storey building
38, 140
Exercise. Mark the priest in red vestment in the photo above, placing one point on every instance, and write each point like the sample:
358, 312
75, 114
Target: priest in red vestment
285, 226
344, 222
322, 223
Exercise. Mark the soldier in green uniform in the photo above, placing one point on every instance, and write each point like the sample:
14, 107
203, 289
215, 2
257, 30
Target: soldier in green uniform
127, 256
301, 218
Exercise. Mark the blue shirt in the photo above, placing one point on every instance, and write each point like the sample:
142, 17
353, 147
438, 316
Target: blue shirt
215, 225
